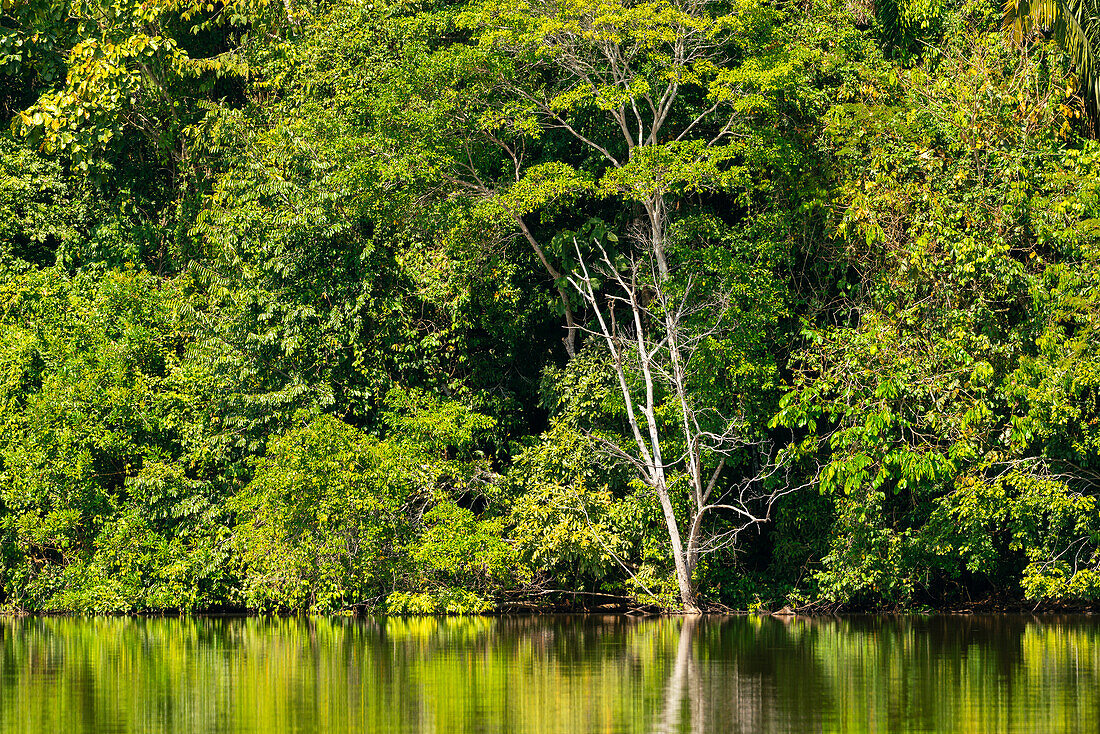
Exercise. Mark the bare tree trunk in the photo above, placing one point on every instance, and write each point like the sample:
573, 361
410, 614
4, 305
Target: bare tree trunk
683, 569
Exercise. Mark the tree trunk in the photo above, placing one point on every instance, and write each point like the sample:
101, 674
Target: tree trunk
657, 213
683, 569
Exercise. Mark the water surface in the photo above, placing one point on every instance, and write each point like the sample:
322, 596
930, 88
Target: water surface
550, 674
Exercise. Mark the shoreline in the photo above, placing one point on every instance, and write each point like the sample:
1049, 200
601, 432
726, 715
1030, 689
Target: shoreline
1069, 611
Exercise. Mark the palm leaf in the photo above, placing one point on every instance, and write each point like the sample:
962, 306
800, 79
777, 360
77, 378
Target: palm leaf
1074, 24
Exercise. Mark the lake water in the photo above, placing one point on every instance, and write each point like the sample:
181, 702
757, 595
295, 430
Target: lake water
550, 674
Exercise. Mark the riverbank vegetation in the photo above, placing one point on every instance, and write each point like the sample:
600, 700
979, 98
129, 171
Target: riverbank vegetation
485, 305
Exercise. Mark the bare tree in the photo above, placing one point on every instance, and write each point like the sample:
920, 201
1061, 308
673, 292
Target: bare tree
652, 337
640, 100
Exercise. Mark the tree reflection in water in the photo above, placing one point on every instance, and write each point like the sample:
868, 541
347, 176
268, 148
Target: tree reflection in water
740, 689
550, 675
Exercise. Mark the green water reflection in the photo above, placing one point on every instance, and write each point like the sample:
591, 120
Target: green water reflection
550, 674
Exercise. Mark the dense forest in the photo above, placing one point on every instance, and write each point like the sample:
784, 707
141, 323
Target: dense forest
457, 306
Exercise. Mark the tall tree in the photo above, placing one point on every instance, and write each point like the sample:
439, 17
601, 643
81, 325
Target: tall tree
615, 104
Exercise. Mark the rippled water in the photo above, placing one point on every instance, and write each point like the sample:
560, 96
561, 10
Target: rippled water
551, 674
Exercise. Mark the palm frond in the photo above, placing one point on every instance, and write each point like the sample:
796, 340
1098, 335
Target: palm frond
1074, 24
